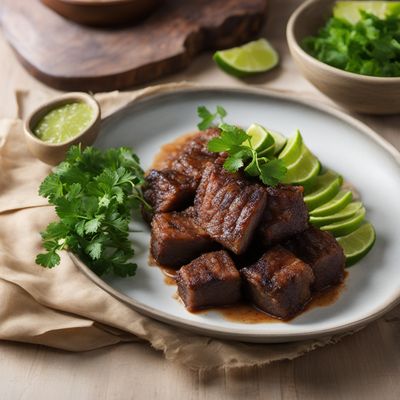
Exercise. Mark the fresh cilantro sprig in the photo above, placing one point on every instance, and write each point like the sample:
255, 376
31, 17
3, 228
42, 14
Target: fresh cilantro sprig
241, 153
207, 117
93, 192
369, 47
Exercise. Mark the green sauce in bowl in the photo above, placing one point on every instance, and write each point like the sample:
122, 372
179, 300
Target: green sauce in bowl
64, 122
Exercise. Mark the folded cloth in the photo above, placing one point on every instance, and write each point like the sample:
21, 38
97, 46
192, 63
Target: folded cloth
61, 307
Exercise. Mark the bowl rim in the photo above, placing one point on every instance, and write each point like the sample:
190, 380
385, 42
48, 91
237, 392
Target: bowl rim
294, 44
66, 98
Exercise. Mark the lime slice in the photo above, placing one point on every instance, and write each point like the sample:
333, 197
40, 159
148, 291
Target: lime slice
277, 146
358, 243
346, 226
304, 170
260, 138
340, 201
347, 212
326, 187
350, 10
251, 58
291, 152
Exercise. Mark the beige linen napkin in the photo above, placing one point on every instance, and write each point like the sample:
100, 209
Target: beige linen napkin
61, 307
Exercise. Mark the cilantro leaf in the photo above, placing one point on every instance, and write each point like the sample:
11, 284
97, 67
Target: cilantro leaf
272, 172
94, 250
218, 145
51, 187
48, 260
233, 135
233, 163
221, 112
92, 226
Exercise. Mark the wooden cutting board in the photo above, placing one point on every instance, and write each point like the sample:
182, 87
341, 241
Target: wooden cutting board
69, 56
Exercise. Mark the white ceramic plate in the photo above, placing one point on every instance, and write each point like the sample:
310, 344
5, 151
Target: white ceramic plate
341, 143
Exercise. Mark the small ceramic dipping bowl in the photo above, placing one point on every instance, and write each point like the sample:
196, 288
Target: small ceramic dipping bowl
360, 93
103, 12
54, 153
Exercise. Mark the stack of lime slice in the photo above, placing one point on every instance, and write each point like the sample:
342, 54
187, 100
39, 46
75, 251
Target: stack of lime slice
302, 166
331, 207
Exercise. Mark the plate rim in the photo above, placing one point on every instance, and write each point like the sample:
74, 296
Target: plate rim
243, 334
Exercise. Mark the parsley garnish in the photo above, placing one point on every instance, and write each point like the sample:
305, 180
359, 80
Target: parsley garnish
93, 192
241, 154
369, 47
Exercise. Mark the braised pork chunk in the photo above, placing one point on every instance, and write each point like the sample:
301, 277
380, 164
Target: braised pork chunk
228, 207
322, 252
278, 283
209, 280
176, 239
194, 155
168, 190
285, 215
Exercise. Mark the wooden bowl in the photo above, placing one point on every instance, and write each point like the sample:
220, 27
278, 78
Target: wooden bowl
103, 12
54, 153
360, 93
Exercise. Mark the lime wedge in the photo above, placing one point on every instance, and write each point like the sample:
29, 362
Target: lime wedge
280, 141
358, 243
346, 226
326, 187
347, 212
251, 58
277, 146
304, 170
340, 201
292, 150
350, 10
260, 138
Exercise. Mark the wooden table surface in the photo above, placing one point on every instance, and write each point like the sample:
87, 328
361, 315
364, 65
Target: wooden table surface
363, 366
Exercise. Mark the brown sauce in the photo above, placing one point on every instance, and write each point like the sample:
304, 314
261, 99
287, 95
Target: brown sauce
169, 151
328, 296
169, 273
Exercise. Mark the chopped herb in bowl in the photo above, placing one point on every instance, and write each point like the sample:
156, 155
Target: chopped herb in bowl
367, 46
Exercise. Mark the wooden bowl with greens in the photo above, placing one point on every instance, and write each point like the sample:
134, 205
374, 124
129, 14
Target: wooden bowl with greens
351, 56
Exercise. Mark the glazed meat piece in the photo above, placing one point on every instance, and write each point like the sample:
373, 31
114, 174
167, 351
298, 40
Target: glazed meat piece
194, 155
176, 239
285, 215
279, 283
322, 252
210, 280
168, 190
229, 208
